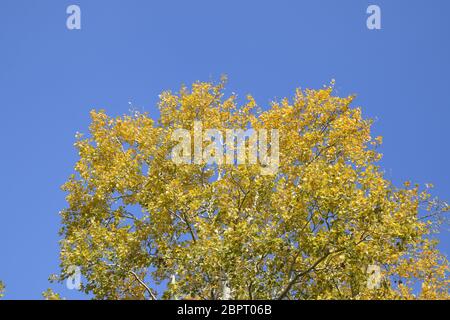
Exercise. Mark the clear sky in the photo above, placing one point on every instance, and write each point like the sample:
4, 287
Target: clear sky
130, 51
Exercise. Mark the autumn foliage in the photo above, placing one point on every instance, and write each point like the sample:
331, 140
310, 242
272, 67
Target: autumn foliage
142, 227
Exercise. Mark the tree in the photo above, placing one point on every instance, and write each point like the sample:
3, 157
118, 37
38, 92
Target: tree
315, 229
2, 289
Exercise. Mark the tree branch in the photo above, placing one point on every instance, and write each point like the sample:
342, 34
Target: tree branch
286, 290
152, 295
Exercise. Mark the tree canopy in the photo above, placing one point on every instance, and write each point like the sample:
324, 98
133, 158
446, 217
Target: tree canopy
143, 227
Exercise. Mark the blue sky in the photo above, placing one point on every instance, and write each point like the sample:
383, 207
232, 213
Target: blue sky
130, 51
